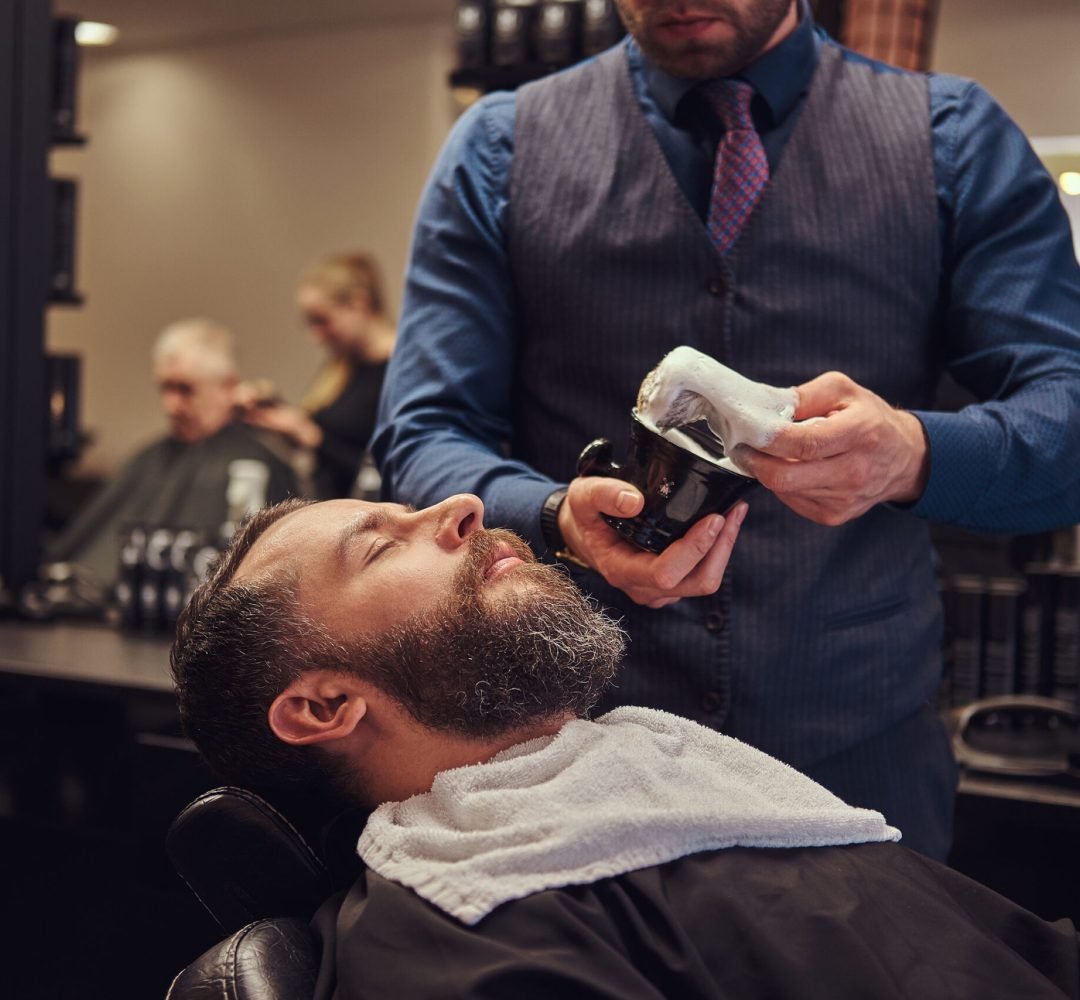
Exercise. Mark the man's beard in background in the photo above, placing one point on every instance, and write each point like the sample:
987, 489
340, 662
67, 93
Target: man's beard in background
531, 648
700, 59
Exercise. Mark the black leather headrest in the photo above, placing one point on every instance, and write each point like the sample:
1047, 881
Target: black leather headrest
266, 960
244, 860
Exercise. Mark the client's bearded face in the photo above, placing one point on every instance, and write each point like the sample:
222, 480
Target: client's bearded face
493, 657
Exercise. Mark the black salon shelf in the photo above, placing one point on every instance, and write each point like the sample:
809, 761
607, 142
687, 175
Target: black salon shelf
66, 299
487, 78
68, 139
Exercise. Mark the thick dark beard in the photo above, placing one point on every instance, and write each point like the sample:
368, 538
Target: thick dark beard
488, 660
701, 61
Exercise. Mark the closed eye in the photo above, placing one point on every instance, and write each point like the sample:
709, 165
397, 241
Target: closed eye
378, 547
363, 530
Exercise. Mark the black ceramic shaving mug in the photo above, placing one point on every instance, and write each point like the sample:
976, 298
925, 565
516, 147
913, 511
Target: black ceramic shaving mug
679, 487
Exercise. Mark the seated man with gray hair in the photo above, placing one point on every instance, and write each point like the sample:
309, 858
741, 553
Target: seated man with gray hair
180, 480
422, 666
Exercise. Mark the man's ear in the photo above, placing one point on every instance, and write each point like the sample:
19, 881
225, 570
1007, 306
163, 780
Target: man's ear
318, 707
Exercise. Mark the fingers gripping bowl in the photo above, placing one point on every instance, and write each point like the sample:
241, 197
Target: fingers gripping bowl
691, 413
678, 486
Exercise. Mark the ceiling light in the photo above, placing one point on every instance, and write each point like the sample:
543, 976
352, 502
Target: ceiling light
1070, 182
95, 33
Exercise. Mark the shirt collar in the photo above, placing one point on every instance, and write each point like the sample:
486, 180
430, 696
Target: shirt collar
779, 77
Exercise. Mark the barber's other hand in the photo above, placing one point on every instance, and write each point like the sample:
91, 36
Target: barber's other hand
289, 421
690, 567
250, 393
861, 453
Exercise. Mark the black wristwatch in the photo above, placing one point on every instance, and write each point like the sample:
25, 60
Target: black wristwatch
549, 521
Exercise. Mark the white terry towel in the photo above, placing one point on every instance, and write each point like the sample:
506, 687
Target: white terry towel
634, 788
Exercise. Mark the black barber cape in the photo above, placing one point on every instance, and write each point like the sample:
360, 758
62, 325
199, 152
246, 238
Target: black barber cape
168, 484
873, 921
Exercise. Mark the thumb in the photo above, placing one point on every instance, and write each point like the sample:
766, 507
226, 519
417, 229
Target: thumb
822, 395
592, 495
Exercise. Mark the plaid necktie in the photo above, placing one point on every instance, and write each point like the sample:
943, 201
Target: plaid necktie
741, 170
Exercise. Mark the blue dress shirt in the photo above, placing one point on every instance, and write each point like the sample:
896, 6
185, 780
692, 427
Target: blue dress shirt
1010, 302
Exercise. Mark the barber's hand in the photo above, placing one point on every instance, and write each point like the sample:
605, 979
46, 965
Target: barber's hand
690, 567
289, 421
861, 453
250, 393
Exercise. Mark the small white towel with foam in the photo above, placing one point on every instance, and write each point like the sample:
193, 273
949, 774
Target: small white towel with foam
634, 788
688, 386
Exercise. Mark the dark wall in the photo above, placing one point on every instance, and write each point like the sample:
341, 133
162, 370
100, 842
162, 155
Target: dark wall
25, 68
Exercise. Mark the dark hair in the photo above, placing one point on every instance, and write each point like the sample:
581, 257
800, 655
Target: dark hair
463, 669
237, 647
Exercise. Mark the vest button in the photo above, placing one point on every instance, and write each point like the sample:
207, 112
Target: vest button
711, 701
717, 285
714, 621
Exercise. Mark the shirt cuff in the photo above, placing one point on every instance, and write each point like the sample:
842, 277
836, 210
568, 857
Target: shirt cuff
961, 468
516, 503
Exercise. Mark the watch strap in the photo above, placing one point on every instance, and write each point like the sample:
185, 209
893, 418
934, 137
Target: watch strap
549, 520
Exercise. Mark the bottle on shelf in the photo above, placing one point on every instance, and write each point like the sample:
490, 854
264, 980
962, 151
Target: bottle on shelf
472, 28
245, 492
558, 32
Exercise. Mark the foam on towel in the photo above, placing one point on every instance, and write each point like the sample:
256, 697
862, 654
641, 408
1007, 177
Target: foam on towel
688, 386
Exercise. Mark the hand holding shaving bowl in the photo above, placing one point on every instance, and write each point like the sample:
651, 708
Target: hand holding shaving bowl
691, 412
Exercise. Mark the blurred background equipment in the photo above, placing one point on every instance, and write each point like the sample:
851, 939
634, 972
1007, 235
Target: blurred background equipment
501, 44
504, 43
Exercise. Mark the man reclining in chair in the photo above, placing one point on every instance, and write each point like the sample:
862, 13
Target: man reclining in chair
415, 662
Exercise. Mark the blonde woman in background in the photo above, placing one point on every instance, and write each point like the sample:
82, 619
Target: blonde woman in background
341, 301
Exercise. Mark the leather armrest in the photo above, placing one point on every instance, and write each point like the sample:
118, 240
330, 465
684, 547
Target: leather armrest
274, 959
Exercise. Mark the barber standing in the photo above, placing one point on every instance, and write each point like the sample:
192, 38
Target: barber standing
732, 179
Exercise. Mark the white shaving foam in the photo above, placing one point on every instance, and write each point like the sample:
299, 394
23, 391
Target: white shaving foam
688, 385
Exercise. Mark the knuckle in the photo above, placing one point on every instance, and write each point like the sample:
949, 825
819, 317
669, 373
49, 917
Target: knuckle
839, 380
872, 435
859, 472
614, 576
833, 517
664, 579
710, 583
813, 444
578, 489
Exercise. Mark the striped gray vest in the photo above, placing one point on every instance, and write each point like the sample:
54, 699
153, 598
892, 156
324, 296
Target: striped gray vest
819, 637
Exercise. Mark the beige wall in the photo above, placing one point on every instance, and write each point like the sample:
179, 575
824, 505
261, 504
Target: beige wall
1025, 52
215, 172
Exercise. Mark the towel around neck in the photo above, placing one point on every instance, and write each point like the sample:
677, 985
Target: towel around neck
632, 789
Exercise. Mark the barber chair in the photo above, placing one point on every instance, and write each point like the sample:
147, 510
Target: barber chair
262, 881
271, 959
1018, 737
